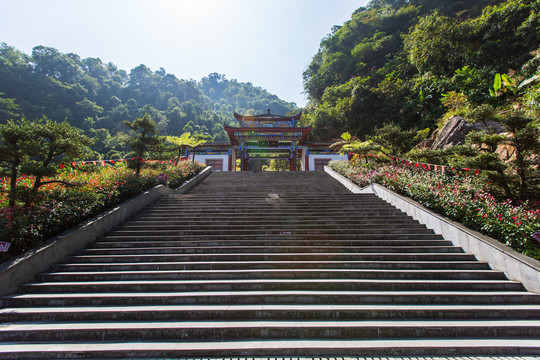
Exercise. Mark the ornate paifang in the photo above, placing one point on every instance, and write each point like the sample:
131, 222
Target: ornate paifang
265, 136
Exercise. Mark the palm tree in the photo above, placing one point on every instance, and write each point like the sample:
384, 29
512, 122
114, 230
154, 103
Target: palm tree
185, 140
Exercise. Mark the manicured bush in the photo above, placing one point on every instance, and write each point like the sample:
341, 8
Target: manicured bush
463, 197
94, 189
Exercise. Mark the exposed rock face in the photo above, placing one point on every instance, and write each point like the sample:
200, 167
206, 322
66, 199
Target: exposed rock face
456, 129
506, 152
452, 133
491, 125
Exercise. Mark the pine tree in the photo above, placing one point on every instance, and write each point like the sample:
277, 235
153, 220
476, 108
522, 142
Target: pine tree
143, 138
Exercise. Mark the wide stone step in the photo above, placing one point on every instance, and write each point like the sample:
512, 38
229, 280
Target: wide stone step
106, 242
272, 274
268, 189
271, 201
344, 199
261, 226
271, 214
334, 230
271, 186
258, 265
314, 209
293, 205
286, 207
245, 330
285, 235
110, 298
244, 350
226, 249
275, 285
273, 265
275, 217
274, 257
247, 198
252, 221
268, 312
299, 195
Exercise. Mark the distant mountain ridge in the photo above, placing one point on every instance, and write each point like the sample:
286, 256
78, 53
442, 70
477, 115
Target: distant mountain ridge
91, 94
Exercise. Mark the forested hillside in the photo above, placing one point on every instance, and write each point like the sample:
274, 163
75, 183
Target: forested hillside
245, 98
395, 60
98, 97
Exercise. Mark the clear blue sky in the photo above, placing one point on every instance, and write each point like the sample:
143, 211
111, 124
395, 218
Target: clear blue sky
266, 42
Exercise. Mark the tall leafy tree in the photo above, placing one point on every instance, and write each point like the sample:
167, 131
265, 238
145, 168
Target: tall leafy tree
9, 110
52, 143
183, 142
17, 143
142, 139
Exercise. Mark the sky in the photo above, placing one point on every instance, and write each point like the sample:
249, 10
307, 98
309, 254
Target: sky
266, 42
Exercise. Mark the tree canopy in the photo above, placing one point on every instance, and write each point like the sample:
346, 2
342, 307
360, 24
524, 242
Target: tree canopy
98, 97
394, 61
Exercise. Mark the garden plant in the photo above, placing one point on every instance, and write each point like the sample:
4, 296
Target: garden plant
93, 189
463, 196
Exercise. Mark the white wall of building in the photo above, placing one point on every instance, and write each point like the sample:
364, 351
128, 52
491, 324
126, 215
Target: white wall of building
332, 157
202, 159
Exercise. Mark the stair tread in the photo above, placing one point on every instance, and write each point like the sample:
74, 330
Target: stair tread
38, 326
332, 254
323, 269
305, 346
270, 281
274, 292
278, 270
267, 307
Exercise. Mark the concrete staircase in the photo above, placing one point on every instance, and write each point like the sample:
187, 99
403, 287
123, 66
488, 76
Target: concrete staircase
270, 264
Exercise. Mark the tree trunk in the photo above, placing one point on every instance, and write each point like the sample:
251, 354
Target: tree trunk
13, 183
178, 158
37, 181
505, 186
521, 170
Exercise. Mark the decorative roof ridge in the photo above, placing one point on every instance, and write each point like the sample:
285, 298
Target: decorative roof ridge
262, 128
267, 116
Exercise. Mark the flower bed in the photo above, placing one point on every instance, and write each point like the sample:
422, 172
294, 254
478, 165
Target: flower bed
59, 207
464, 198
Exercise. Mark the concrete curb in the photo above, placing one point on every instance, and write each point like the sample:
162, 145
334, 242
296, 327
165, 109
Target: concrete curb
24, 267
190, 184
499, 256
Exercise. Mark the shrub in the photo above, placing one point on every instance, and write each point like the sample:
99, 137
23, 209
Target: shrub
59, 207
462, 197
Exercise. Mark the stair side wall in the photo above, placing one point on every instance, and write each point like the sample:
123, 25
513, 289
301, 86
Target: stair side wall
500, 257
23, 268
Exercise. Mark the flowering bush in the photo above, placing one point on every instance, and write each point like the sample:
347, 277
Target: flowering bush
93, 190
462, 197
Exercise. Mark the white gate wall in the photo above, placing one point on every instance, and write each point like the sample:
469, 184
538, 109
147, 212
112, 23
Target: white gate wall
332, 157
202, 159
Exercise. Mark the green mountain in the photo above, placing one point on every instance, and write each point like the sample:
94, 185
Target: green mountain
394, 60
244, 98
98, 97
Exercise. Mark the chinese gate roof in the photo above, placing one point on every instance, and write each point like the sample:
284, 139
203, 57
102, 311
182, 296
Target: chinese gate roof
268, 117
298, 134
